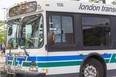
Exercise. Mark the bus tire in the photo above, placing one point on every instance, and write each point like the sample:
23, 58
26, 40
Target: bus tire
92, 68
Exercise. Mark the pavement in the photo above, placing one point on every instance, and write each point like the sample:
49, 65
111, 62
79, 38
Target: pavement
2, 61
111, 73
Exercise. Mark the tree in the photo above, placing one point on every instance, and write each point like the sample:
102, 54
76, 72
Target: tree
114, 2
2, 32
97, 1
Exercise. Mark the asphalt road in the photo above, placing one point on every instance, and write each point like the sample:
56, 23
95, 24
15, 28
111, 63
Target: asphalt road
107, 76
111, 73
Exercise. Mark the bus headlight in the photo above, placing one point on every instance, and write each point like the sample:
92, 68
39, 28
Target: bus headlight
18, 67
33, 68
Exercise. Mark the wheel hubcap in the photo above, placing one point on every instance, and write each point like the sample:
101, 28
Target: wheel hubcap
90, 71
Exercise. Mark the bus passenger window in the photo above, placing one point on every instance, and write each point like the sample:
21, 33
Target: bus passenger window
57, 34
61, 28
97, 32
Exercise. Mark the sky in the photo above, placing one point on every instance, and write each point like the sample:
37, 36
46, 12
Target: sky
8, 3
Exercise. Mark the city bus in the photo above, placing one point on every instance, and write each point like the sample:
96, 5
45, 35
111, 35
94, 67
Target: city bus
66, 38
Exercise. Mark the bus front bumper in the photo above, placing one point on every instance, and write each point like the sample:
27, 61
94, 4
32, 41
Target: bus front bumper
25, 74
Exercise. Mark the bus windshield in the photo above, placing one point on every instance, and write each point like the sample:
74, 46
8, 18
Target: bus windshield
12, 35
32, 32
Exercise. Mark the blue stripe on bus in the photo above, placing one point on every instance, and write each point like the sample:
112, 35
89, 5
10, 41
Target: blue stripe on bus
106, 55
21, 59
58, 58
55, 58
9, 58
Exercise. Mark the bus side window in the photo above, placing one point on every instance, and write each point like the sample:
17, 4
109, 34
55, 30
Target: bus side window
57, 34
9, 31
97, 32
61, 29
67, 26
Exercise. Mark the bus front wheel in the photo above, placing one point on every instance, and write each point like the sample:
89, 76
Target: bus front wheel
92, 68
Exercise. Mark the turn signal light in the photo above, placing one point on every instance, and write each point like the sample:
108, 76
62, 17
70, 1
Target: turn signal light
47, 5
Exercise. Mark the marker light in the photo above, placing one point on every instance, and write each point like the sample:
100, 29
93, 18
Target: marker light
33, 63
46, 71
38, 4
81, 54
105, 53
47, 5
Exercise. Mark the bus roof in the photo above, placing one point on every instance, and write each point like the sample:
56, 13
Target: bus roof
70, 6
77, 7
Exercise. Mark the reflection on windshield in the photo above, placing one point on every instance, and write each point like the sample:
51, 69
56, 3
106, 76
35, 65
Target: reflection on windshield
12, 33
32, 32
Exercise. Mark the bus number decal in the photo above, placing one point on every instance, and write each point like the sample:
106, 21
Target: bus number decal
60, 4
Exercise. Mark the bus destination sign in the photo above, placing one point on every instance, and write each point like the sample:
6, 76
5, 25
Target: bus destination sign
23, 8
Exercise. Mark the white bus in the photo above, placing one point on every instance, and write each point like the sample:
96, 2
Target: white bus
52, 38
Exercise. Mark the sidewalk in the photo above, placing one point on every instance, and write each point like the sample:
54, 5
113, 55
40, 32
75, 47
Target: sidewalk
2, 60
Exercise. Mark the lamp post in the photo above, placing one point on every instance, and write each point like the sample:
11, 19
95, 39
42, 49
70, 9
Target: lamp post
4, 20
4, 9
